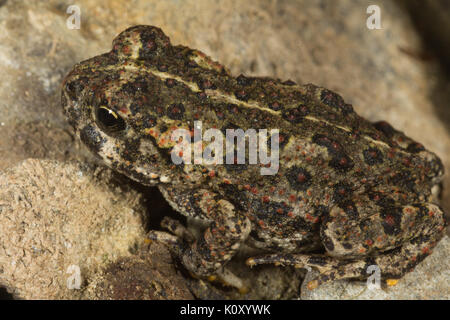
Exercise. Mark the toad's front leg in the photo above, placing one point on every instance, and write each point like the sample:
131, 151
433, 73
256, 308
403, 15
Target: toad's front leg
228, 228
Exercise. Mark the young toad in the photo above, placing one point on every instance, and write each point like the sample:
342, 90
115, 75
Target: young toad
348, 193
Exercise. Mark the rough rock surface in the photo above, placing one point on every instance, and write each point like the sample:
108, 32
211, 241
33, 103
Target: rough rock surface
147, 275
53, 216
428, 281
386, 74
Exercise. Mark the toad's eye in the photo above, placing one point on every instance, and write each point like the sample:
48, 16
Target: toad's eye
109, 121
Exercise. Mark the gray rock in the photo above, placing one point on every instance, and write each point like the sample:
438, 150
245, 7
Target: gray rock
428, 281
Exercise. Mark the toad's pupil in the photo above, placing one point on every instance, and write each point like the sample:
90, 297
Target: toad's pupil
109, 119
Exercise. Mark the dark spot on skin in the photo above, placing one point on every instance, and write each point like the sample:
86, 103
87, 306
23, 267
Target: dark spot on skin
317, 260
130, 152
332, 146
241, 95
255, 236
415, 147
342, 191
341, 162
163, 128
335, 101
275, 106
321, 212
289, 83
350, 209
392, 218
244, 81
202, 95
193, 204
283, 139
373, 156
299, 178
235, 196
206, 84
170, 83
162, 67
175, 111
295, 115
385, 128
273, 213
381, 199
148, 121
298, 223
140, 85
347, 245
153, 41
328, 243
75, 87
92, 138
404, 179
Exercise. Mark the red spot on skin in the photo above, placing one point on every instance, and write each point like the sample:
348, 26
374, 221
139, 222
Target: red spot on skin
301, 178
389, 220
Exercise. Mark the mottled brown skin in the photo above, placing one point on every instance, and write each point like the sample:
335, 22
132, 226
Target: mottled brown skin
349, 193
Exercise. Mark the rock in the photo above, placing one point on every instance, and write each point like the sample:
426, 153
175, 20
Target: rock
53, 216
428, 281
147, 275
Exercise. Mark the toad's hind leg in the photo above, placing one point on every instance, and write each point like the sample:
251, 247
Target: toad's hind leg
396, 240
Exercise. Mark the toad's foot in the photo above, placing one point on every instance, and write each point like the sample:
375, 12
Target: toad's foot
179, 242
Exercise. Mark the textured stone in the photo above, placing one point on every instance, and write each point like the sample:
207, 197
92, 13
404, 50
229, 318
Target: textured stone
428, 281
